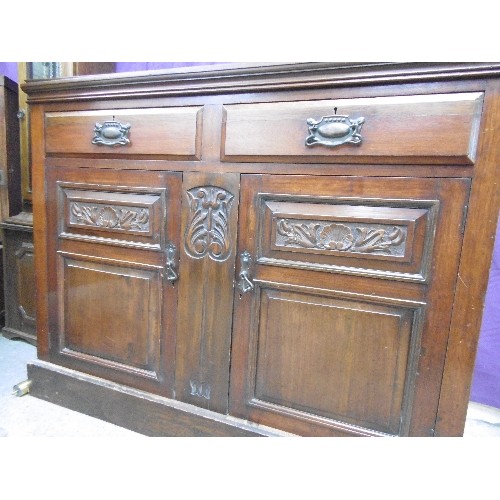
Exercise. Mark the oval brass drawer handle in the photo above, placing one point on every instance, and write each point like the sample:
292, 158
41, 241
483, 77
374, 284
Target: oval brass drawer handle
334, 130
111, 133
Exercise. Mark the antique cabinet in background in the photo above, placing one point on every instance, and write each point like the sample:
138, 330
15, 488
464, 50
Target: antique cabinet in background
10, 174
265, 250
19, 277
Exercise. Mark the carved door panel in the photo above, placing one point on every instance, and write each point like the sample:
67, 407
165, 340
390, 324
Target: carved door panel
113, 269
207, 265
344, 301
19, 275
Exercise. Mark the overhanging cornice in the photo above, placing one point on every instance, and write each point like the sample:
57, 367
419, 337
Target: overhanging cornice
249, 77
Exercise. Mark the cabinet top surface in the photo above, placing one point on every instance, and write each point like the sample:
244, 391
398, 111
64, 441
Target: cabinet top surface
251, 77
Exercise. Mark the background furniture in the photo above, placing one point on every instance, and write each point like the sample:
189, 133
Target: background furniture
10, 175
19, 277
261, 250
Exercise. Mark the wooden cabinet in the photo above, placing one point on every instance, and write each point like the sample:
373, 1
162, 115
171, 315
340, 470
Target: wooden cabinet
10, 175
19, 272
351, 276
114, 309
10, 172
265, 250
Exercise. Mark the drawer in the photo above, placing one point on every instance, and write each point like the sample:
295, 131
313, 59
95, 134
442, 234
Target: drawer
173, 133
419, 129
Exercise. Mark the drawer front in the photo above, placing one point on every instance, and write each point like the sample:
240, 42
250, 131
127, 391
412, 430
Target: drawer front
174, 133
425, 129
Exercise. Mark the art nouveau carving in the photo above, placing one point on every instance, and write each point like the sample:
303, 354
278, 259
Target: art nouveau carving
341, 237
110, 217
207, 232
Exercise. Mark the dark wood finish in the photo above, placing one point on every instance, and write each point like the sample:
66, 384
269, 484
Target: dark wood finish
10, 185
124, 216
24, 135
331, 359
19, 276
10, 171
40, 235
136, 410
208, 258
423, 129
112, 310
93, 68
350, 263
254, 77
473, 273
68, 69
306, 348
352, 235
170, 132
121, 304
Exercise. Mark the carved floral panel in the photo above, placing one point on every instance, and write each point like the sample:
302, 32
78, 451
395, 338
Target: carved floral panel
110, 217
207, 231
346, 237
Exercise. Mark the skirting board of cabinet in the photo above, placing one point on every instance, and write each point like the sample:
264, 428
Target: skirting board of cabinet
12, 333
136, 410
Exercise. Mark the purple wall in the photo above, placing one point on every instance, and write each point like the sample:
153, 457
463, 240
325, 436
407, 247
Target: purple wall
143, 66
9, 69
486, 381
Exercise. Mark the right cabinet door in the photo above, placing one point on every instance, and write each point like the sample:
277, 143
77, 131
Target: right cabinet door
343, 304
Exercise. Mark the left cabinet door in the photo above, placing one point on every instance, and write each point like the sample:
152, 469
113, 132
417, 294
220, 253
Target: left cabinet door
112, 272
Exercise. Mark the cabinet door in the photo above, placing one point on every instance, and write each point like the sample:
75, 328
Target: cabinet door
19, 284
344, 302
112, 274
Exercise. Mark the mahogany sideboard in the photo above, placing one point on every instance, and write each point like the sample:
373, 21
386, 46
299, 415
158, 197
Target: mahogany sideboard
265, 249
